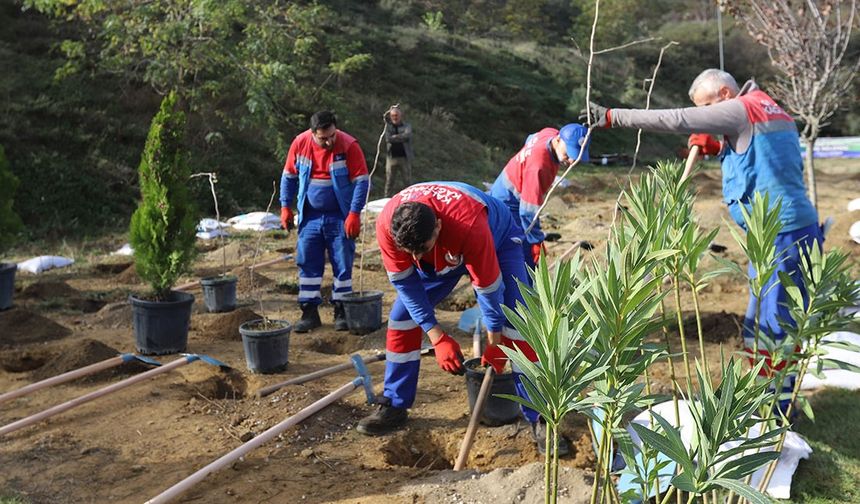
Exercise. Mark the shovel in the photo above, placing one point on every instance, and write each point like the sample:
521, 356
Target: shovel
472, 429
76, 373
60, 408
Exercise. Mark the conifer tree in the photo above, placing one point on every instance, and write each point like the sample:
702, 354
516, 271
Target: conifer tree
162, 230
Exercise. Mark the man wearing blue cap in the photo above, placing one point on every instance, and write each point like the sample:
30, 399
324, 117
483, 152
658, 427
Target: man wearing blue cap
524, 182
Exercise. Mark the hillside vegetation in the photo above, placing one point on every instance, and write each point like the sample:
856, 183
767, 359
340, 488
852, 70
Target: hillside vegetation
474, 77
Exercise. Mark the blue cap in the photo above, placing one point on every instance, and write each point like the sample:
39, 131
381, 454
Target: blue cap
573, 136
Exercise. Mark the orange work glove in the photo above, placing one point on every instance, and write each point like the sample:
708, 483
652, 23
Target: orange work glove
537, 249
352, 225
286, 218
494, 356
708, 145
448, 355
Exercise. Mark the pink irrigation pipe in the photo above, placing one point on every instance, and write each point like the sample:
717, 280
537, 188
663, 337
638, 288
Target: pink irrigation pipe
73, 374
56, 410
226, 460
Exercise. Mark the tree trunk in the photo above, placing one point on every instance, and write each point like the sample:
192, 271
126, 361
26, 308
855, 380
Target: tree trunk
810, 173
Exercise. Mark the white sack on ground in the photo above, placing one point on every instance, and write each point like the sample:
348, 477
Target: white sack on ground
854, 205
795, 447
854, 231
376, 206
125, 250
39, 264
839, 378
255, 221
209, 228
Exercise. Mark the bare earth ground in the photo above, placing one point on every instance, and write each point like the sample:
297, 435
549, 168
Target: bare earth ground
132, 445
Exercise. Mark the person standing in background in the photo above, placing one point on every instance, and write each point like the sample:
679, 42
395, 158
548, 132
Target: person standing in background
399, 154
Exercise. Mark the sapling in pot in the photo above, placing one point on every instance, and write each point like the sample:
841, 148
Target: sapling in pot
219, 292
162, 233
10, 225
266, 341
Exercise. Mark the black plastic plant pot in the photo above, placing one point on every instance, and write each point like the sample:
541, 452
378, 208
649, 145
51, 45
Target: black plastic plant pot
219, 293
161, 327
363, 311
7, 284
497, 410
266, 344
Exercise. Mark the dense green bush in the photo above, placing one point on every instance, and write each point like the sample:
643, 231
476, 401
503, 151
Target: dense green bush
10, 223
162, 229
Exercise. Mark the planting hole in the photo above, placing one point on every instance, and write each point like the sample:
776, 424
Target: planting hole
417, 450
335, 344
219, 385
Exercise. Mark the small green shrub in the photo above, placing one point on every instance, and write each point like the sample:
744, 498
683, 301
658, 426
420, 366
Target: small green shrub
10, 223
162, 229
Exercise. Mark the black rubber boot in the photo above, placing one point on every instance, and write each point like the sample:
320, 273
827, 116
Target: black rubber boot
339, 317
310, 318
385, 419
539, 432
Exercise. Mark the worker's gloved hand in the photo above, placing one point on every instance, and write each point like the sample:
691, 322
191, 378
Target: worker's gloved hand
494, 356
286, 218
352, 225
597, 115
537, 250
448, 355
707, 144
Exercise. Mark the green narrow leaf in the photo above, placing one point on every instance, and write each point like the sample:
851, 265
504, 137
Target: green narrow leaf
744, 490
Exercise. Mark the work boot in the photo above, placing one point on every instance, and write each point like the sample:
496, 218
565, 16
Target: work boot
310, 318
339, 317
539, 432
385, 419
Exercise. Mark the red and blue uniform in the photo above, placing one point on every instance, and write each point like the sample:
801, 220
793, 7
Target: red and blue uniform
478, 238
524, 182
772, 165
329, 184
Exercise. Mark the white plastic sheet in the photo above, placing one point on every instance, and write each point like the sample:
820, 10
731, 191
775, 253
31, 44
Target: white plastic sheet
839, 378
125, 250
255, 221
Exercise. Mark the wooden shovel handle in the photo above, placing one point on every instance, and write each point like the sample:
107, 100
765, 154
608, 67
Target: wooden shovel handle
691, 162
469, 438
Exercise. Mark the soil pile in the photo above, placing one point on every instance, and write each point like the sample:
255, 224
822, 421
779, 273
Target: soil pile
18, 327
522, 485
50, 289
128, 276
83, 353
225, 326
716, 327
114, 315
235, 252
461, 298
249, 281
111, 268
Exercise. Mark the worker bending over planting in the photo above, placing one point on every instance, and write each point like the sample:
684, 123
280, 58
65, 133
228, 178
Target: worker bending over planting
430, 235
760, 152
527, 177
326, 170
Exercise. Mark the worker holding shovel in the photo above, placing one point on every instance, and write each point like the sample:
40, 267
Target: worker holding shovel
430, 235
525, 180
760, 153
326, 171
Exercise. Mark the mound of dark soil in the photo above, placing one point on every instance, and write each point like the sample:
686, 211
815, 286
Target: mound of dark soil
112, 268
78, 354
50, 289
459, 299
19, 327
128, 276
716, 327
114, 315
225, 326
18, 360
249, 281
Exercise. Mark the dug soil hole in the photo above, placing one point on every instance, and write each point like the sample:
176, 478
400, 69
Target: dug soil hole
335, 344
419, 450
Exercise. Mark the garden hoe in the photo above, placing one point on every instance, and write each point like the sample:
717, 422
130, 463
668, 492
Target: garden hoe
55, 410
472, 429
263, 392
362, 380
76, 373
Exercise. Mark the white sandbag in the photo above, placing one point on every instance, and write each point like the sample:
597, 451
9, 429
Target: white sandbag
795, 447
39, 264
854, 231
838, 378
210, 234
376, 206
854, 205
255, 221
209, 224
125, 250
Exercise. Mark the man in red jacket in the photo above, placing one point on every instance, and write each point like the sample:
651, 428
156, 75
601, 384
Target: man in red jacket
325, 167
